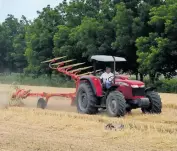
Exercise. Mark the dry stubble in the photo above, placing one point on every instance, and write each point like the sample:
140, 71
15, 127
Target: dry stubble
31, 129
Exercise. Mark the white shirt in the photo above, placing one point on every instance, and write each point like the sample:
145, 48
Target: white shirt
105, 76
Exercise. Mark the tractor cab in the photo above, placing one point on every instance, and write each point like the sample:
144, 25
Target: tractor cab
110, 77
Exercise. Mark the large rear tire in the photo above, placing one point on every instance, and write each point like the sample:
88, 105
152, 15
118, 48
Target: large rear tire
86, 100
116, 104
155, 103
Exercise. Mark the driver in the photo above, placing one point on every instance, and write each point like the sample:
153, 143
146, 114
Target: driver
106, 77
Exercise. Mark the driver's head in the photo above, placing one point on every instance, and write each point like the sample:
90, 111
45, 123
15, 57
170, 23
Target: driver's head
108, 70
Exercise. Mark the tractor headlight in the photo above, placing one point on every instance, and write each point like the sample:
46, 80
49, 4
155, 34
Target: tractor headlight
142, 86
134, 86
122, 83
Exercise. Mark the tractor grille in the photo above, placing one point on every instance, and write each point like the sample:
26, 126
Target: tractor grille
138, 91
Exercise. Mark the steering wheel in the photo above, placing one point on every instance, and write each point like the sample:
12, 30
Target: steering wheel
109, 79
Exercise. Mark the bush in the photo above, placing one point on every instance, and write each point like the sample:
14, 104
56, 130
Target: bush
55, 81
164, 85
167, 86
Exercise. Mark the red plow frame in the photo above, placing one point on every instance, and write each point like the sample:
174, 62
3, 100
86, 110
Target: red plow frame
62, 68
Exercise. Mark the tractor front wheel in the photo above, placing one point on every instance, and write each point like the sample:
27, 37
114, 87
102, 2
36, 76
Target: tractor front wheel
86, 100
116, 104
41, 103
155, 103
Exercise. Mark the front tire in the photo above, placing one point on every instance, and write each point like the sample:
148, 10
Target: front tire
116, 104
86, 100
155, 103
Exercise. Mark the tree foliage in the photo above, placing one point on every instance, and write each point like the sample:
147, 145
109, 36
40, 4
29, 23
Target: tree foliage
39, 40
12, 44
157, 52
144, 32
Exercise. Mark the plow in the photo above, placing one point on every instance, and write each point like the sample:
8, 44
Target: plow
62, 67
91, 95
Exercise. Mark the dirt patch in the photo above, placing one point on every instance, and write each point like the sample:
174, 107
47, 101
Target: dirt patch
4, 96
55, 103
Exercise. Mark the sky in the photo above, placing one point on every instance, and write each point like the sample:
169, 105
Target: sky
28, 8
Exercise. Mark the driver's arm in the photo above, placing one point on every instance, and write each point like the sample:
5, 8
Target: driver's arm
111, 77
101, 77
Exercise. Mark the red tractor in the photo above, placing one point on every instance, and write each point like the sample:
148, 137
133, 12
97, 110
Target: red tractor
123, 96
91, 94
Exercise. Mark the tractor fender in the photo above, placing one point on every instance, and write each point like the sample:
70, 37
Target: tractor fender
150, 89
95, 84
114, 87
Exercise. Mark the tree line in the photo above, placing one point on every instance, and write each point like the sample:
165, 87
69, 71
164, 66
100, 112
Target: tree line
142, 31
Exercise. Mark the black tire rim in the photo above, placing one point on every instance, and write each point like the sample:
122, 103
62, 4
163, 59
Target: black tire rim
83, 101
112, 106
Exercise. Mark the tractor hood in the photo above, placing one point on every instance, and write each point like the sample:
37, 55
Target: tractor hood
123, 77
130, 82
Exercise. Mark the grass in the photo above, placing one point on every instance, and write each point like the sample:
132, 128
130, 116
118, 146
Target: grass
55, 81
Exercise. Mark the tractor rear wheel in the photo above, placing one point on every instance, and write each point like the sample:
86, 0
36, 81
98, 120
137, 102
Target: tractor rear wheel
155, 103
41, 103
116, 104
86, 99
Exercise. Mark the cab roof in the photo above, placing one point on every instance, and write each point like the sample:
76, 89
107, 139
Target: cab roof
105, 58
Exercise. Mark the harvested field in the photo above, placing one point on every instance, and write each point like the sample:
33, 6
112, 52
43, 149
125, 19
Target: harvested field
31, 129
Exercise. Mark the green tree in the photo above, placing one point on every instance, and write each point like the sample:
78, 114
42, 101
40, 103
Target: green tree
19, 46
161, 48
90, 33
39, 39
124, 43
9, 30
131, 22
3, 52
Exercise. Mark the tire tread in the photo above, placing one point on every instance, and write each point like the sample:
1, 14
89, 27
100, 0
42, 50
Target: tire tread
121, 103
91, 109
